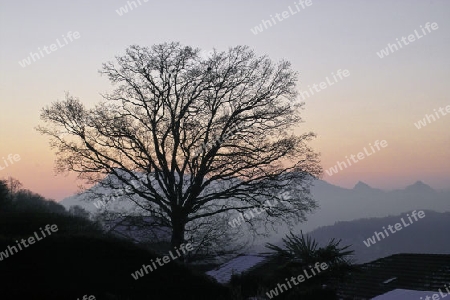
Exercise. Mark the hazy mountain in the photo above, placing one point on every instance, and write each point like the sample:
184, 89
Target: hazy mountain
426, 235
336, 203
340, 204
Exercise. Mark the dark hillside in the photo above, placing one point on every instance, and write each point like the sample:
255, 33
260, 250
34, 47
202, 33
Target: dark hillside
80, 260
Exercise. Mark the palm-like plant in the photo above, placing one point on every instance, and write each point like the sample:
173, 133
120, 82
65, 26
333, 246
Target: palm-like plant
306, 250
299, 252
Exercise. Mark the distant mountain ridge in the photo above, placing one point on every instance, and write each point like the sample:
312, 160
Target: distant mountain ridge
338, 206
419, 187
428, 235
363, 201
336, 203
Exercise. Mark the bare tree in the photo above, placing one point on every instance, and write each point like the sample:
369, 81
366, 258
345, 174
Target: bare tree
5, 196
14, 185
78, 211
203, 137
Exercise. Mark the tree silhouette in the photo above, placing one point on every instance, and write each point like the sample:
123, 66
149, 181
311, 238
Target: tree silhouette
194, 138
9, 188
14, 185
301, 252
78, 211
5, 197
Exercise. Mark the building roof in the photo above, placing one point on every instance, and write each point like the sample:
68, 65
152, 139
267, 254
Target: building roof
400, 294
419, 272
237, 265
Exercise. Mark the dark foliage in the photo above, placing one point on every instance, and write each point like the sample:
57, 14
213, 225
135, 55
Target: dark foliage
79, 259
297, 254
5, 197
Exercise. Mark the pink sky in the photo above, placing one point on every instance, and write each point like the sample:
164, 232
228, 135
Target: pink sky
381, 99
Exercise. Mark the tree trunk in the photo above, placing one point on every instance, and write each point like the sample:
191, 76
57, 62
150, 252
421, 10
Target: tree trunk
178, 231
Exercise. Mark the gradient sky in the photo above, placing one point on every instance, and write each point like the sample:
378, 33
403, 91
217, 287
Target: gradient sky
380, 100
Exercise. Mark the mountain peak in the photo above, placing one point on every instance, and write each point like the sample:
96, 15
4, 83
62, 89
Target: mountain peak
419, 186
362, 186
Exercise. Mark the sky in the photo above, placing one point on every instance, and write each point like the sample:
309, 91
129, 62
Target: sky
383, 97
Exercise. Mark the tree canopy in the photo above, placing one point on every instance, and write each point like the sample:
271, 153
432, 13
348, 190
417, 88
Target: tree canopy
196, 138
